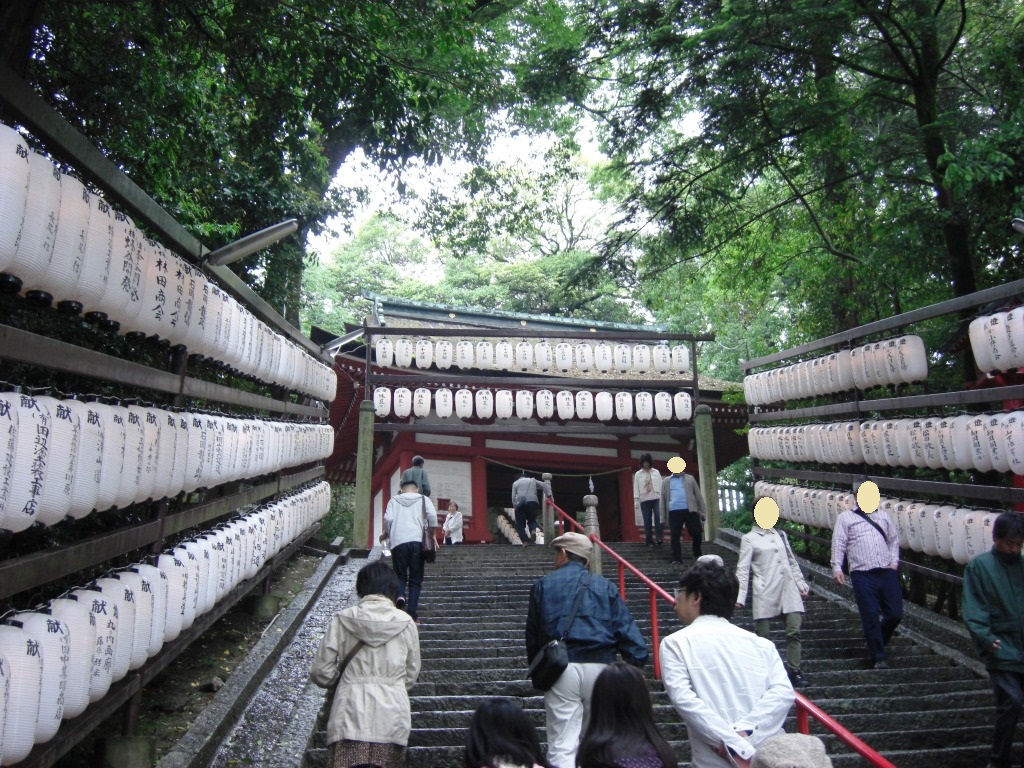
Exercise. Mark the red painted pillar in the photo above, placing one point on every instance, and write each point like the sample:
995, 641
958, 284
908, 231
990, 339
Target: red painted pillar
477, 531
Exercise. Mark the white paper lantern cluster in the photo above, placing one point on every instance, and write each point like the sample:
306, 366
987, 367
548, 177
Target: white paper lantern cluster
508, 530
901, 360
997, 340
622, 406
837, 443
60, 239
540, 356
67, 458
939, 530
64, 655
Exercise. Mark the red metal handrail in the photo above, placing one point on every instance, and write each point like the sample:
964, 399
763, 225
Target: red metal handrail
805, 708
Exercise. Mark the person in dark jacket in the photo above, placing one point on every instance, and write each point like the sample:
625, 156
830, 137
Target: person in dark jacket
993, 611
601, 629
416, 474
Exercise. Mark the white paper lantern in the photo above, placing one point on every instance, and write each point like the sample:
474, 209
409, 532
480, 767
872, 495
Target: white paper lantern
524, 355
641, 358
504, 403
382, 402
484, 403
464, 404
979, 337
25, 670
143, 602
998, 340
403, 353
424, 353
584, 356
8, 446
543, 355
121, 602
53, 453
176, 573
1013, 439
81, 625
504, 355
683, 406
14, 191
1015, 332
566, 405
443, 403
623, 406
385, 351
484, 355
155, 581
912, 359
563, 357
545, 402
944, 433
88, 466
464, 354
958, 535
402, 402
69, 245
50, 635
681, 359
663, 406
661, 357
623, 357
604, 406
524, 404
603, 357
584, 404
421, 402
444, 354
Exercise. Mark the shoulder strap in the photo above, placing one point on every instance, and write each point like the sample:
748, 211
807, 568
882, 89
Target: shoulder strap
876, 526
584, 585
345, 662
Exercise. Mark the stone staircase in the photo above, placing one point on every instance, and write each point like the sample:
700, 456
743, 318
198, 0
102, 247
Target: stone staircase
927, 711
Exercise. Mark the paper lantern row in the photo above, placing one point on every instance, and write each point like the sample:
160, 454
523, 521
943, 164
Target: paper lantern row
981, 442
901, 360
526, 356
524, 404
997, 340
508, 531
67, 458
60, 239
65, 655
940, 530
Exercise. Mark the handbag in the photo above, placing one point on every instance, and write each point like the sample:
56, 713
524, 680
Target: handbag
551, 660
428, 548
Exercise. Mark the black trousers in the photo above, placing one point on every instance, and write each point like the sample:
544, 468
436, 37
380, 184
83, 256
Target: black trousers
677, 518
1009, 701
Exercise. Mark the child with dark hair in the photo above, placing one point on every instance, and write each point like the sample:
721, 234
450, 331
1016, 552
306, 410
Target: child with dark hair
621, 732
502, 735
371, 652
728, 685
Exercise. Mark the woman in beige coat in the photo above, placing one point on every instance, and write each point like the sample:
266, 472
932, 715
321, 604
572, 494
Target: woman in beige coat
778, 588
370, 715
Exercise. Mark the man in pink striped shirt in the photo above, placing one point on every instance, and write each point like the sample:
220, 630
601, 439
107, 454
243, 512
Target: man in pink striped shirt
869, 540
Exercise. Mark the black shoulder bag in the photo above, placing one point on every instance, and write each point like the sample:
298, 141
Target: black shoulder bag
551, 660
874, 525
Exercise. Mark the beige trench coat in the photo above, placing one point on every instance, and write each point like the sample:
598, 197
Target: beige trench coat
371, 702
768, 561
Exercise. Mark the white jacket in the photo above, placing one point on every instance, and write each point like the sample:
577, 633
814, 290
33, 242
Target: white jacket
646, 485
452, 527
722, 679
403, 518
777, 579
371, 702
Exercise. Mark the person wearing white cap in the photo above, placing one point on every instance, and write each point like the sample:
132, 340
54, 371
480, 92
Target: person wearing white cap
792, 750
601, 628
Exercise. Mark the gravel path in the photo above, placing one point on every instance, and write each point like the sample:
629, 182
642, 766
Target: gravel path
278, 719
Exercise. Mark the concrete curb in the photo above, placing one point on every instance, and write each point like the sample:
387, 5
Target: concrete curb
197, 747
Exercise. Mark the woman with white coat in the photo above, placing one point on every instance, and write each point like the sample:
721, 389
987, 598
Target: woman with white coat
778, 584
371, 652
647, 499
452, 527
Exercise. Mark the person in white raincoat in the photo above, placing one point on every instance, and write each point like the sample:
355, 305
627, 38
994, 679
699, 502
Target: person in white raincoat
767, 562
370, 716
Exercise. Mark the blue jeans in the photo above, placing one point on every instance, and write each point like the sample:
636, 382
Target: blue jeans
880, 602
1009, 701
651, 511
408, 564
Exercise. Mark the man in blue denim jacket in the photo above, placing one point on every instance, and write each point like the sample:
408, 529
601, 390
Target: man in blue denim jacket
603, 627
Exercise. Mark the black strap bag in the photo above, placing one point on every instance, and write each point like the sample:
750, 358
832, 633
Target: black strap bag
551, 660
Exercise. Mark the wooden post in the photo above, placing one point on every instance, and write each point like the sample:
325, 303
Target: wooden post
364, 471
707, 468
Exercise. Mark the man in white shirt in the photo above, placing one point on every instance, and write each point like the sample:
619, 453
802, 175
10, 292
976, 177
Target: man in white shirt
729, 685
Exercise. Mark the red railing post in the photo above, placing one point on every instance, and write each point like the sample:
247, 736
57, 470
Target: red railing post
622, 582
803, 723
654, 633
